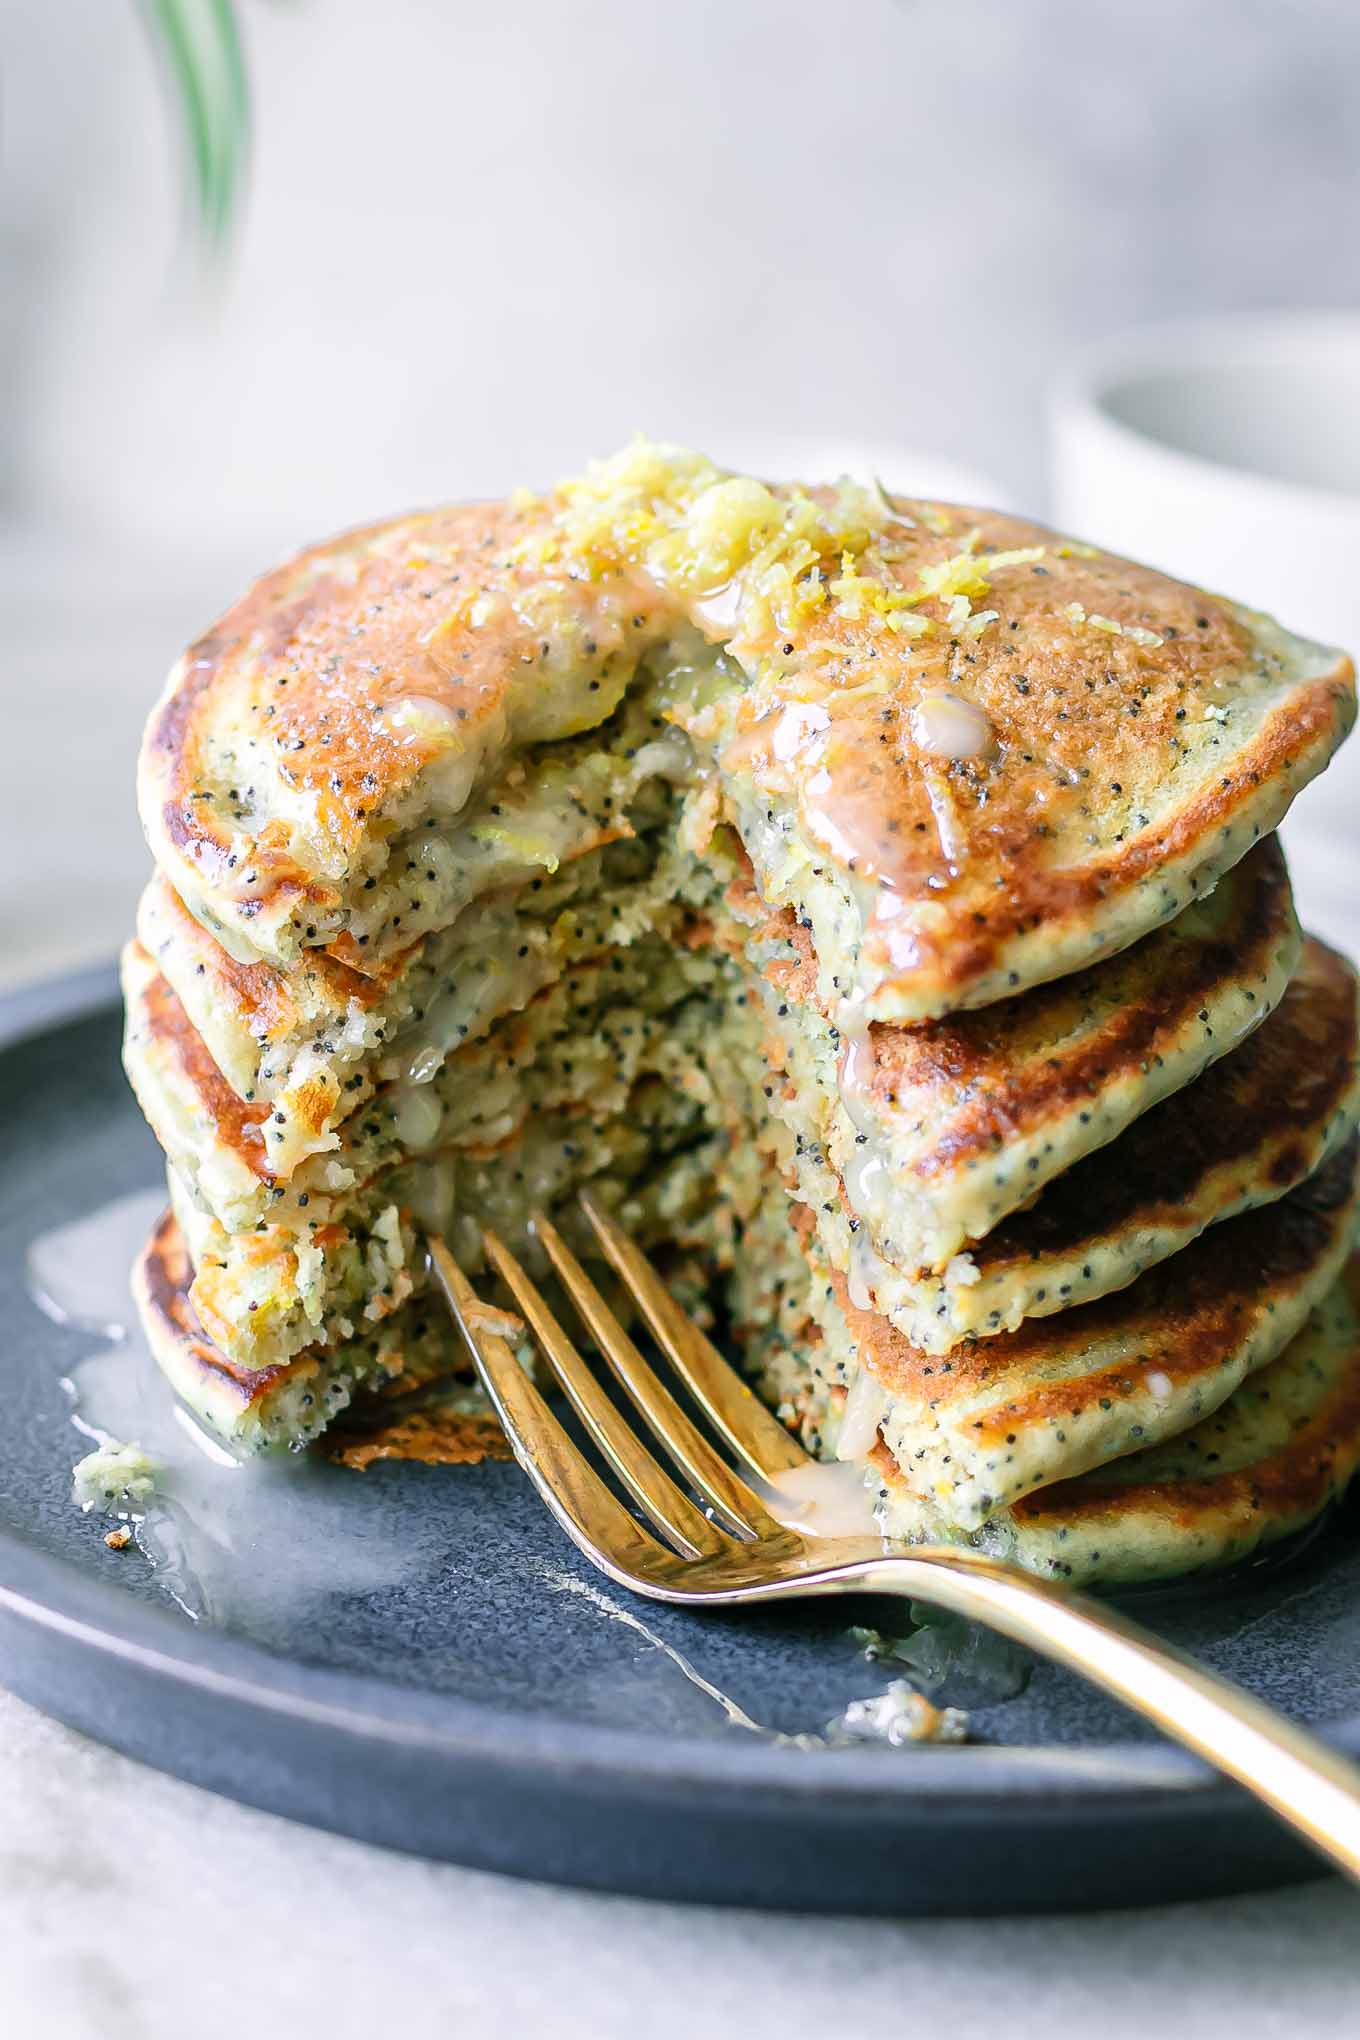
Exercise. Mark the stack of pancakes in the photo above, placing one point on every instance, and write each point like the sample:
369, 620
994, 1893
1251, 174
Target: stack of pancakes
875, 903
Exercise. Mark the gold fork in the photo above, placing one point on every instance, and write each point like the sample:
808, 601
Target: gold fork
733, 1548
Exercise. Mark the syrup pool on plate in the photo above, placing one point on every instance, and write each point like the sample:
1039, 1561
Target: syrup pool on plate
262, 1545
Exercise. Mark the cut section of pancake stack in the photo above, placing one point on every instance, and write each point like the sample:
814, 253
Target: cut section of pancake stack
875, 902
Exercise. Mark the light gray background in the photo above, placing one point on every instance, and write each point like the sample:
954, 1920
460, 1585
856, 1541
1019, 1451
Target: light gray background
484, 241
487, 240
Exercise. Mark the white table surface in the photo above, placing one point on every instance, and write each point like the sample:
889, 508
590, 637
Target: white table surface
133, 1905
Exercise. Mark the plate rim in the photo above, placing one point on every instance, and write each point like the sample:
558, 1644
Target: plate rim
57, 1596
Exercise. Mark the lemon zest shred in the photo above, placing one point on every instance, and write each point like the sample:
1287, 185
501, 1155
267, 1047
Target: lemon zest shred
967, 573
1135, 632
882, 683
696, 528
864, 597
1017, 556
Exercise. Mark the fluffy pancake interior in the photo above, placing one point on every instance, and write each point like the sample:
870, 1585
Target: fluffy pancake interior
617, 1076
288, 1404
465, 922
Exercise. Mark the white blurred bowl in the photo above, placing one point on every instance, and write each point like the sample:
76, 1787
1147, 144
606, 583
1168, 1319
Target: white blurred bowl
1228, 452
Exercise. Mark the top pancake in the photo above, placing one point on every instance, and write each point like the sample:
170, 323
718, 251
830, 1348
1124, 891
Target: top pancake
970, 754
369, 682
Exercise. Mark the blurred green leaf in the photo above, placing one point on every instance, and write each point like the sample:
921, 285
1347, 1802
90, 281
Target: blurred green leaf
200, 44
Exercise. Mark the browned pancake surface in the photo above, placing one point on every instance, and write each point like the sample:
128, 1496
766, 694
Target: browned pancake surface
1275, 1093
1180, 1317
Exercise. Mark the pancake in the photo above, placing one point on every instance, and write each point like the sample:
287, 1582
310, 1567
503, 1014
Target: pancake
579, 1044
716, 845
354, 699
1264, 1465
712, 1210
973, 755
912, 1142
281, 1405
314, 1041
1000, 1417
632, 1073
1253, 1127
1052, 1073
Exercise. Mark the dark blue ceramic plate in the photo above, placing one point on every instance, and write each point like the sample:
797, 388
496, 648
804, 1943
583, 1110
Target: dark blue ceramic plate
490, 1701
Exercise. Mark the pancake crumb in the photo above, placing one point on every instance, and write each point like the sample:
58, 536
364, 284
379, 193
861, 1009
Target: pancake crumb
436, 1438
899, 1716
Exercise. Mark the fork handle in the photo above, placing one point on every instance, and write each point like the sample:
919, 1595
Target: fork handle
1312, 1788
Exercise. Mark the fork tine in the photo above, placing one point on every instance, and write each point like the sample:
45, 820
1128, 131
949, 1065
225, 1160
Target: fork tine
651, 1487
752, 1431
725, 1490
592, 1517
